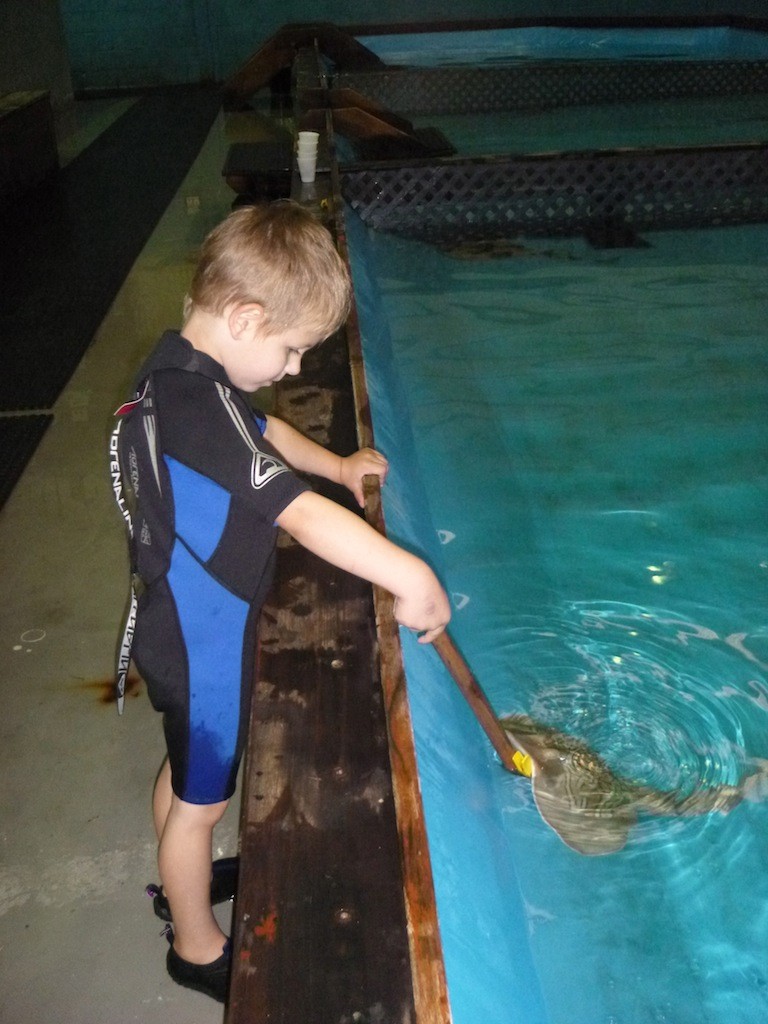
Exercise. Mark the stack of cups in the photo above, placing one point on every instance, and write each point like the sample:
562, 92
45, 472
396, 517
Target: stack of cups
307, 155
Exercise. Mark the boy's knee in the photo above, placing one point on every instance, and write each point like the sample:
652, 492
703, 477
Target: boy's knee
201, 814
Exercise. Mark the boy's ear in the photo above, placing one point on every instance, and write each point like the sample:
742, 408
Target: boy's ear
246, 318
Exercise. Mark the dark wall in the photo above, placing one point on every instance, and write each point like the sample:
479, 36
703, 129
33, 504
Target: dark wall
33, 51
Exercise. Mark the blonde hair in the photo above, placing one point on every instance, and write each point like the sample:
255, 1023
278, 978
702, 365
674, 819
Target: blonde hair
280, 256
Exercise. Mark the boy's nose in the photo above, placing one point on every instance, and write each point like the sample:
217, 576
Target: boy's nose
293, 365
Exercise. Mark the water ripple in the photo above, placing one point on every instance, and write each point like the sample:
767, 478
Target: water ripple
668, 703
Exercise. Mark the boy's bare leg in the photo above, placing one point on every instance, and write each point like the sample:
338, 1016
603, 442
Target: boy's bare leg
184, 858
161, 798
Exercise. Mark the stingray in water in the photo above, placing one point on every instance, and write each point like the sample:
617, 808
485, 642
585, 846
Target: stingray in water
496, 249
590, 807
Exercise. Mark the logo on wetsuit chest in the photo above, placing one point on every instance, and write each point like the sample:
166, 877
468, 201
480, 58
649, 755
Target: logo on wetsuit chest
264, 468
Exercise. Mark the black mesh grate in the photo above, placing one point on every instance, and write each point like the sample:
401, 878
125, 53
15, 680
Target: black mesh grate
561, 194
546, 84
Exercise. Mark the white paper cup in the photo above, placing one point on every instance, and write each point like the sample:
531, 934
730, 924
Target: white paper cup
307, 164
306, 150
309, 137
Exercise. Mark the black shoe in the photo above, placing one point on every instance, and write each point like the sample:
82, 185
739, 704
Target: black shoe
223, 887
224, 879
210, 979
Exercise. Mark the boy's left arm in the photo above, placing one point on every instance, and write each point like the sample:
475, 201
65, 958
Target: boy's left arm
306, 456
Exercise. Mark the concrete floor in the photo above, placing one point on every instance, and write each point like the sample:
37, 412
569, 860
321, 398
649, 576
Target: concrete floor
79, 943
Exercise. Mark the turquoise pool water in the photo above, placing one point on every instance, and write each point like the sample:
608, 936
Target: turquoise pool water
536, 42
578, 441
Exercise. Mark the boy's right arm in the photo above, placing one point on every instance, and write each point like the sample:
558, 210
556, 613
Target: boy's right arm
347, 541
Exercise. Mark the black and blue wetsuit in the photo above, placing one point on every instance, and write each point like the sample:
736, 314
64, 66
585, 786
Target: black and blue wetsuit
207, 489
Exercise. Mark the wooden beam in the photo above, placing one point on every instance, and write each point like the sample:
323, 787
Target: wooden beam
321, 932
280, 49
335, 917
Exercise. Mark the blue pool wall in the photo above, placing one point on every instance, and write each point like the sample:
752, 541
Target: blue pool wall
142, 42
483, 924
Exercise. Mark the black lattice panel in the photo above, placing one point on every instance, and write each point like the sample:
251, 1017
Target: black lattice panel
546, 84
562, 194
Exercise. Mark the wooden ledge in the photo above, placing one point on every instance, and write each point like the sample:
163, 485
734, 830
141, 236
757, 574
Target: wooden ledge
335, 919
321, 930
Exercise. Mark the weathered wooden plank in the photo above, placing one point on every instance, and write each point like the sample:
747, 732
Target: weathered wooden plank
335, 920
320, 925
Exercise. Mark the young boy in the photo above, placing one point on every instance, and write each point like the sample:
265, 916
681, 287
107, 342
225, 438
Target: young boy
210, 479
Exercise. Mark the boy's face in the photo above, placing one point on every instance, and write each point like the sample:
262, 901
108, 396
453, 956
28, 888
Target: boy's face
260, 360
